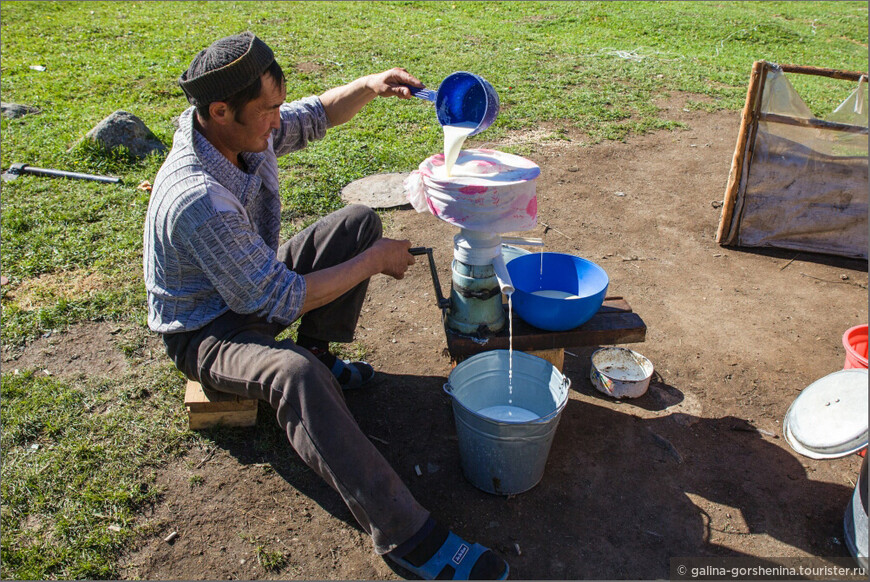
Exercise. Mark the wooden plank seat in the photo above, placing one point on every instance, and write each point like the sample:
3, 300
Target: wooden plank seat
207, 408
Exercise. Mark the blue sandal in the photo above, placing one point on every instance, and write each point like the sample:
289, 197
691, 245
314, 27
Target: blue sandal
454, 553
360, 373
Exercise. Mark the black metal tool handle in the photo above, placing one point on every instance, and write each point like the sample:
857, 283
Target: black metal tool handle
442, 302
64, 174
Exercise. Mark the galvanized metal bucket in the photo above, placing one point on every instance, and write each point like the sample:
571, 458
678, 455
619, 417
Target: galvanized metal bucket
855, 519
500, 456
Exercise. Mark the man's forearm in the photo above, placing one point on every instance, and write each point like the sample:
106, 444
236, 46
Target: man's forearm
342, 103
329, 284
387, 256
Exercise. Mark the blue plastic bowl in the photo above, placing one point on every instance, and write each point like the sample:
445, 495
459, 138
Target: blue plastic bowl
561, 272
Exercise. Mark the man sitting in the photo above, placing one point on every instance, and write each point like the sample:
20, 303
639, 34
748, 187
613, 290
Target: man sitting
221, 288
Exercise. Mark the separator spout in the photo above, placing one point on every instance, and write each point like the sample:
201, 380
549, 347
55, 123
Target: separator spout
501, 273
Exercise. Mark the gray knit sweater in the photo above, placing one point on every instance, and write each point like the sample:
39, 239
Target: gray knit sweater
211, 233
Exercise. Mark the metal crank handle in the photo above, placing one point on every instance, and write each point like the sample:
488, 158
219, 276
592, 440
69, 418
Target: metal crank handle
442, 302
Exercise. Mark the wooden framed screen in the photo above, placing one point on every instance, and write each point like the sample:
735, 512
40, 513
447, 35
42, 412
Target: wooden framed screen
798, 182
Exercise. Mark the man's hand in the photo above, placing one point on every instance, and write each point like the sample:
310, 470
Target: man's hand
393, 83
342, 103
393, 256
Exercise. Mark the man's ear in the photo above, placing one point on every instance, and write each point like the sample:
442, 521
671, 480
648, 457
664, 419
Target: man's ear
220, 112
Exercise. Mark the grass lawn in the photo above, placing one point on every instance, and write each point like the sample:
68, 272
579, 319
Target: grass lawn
72, 250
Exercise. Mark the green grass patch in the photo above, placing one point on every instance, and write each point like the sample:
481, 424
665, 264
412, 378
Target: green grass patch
77, 456
271, 560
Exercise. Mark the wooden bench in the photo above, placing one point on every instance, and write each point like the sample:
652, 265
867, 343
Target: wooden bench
208, 408
615, 323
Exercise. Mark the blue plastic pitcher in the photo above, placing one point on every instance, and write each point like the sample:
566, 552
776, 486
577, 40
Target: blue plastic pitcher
462, 97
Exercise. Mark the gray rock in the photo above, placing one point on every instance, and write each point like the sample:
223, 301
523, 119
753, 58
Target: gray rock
125, 129
16, 110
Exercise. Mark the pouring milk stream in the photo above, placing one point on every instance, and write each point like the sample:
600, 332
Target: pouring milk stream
454, 137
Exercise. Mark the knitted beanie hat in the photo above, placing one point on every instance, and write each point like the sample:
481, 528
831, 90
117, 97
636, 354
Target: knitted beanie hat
226, 67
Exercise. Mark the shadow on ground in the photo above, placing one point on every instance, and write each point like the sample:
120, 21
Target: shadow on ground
616, 485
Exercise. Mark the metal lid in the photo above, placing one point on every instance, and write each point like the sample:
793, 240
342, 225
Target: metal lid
828, 419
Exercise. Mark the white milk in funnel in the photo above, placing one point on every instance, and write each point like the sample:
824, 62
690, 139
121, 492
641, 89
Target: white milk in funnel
454, 137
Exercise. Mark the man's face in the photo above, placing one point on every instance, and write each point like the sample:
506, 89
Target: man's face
252, 126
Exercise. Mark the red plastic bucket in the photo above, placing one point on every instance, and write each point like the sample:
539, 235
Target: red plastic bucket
855, 342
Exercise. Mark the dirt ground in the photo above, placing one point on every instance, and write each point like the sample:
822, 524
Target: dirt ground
735, 335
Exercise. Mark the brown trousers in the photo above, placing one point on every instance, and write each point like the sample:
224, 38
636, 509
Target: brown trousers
238, 354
